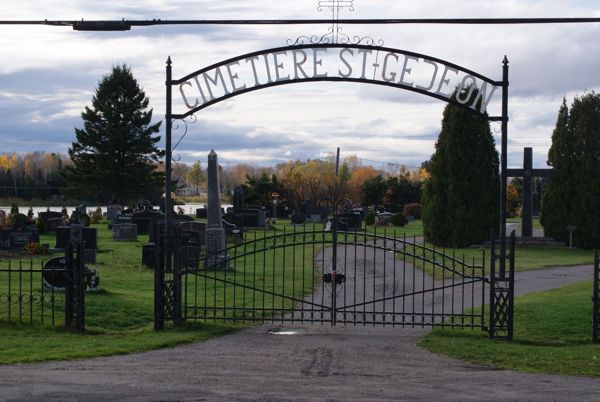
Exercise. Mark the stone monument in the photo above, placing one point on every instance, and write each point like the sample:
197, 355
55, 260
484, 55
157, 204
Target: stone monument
215, 233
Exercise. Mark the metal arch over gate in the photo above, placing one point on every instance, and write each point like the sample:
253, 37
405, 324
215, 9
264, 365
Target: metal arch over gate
362, 63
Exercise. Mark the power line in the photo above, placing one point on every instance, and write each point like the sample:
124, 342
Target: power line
125, 25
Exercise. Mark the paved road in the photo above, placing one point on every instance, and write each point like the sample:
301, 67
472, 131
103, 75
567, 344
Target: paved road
298, 363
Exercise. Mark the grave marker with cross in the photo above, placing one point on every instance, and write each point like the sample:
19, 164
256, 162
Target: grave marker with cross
528, 173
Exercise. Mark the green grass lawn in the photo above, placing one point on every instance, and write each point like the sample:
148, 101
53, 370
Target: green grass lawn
119, 317
552, 334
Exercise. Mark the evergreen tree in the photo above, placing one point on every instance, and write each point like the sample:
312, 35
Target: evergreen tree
374, 190
460, 199
258, 189
115, 155
573, 195
555, 209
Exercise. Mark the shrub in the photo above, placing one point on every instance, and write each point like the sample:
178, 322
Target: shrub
96, 215
14, 209
35, 248
399, 219
413, 209
370, 218
86, 220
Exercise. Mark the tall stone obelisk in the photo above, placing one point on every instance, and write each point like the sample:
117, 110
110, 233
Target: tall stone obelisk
215, 233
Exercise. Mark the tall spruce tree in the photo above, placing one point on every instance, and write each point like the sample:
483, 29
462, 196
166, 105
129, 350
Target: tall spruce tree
556, 212
115, 155
573, 195
460, 199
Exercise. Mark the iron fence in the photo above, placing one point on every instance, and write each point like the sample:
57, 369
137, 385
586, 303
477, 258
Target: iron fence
25, 294
44, 292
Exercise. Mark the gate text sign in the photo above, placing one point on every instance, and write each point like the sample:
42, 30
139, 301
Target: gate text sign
367, 64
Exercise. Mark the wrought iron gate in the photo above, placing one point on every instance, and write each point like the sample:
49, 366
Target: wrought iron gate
306, 274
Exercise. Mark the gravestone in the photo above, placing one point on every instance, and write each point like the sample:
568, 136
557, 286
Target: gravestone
124, 218
19, 234
89, 236
2, 218
148, 250
53, 223
21, 222
124, 232
197, 231
51, 219
54, 275
215, 233
242, 216
298, 218
143, 220
191, 256
201, 213
112, 211
14, 239
317, 213
62, 236
528, 173
352, 220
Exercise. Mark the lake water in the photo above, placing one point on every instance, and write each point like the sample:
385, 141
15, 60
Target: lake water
188, 209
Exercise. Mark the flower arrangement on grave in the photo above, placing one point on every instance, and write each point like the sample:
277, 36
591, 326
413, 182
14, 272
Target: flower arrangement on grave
35, 248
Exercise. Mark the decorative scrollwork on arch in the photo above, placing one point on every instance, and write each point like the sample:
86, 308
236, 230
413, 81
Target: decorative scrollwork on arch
335, 34
175, 126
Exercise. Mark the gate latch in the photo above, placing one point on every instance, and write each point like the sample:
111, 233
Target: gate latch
334, 276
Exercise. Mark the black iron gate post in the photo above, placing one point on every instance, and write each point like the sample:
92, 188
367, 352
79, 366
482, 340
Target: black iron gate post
334, 228
596, 299
502, 290
167, 275
501, 284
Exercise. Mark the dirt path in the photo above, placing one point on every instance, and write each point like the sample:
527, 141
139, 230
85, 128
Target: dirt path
273, 362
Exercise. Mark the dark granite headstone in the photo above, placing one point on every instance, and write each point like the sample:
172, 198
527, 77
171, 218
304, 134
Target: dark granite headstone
317, 214
143, 220
124, 232
238, 199
298, 218
148, 250
201, 213
62, 236
52, 219
89, 236
195, 232
125, 218
53, 223
54, 275
15, 239
190, 256
112, 211
20, 222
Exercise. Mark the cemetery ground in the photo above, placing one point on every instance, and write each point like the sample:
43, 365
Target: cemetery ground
552, 328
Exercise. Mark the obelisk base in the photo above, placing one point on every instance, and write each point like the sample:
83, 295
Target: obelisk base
216, 258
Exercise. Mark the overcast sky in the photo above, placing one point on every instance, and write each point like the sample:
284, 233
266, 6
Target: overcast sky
49, 74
